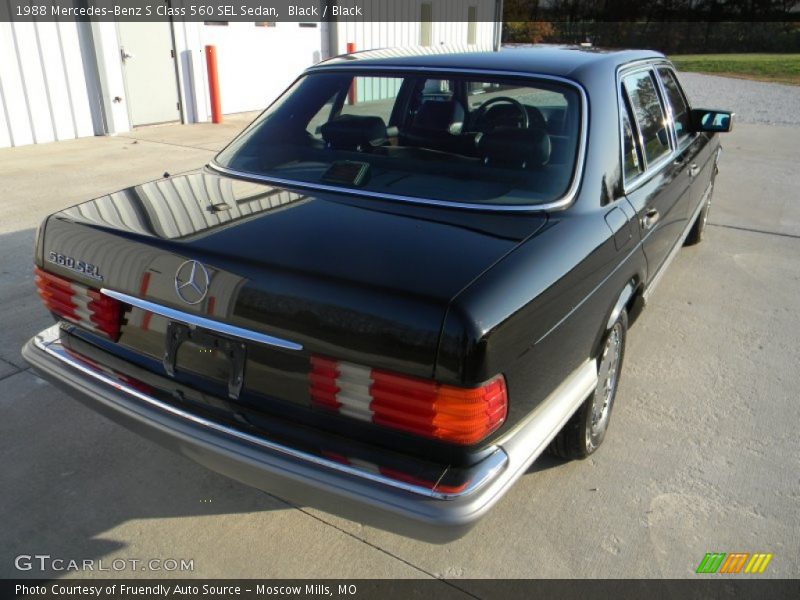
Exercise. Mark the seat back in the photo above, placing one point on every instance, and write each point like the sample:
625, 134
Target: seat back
354, 132
515, 148
438, 115
437, 126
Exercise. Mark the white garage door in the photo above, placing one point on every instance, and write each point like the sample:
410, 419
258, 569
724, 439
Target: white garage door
256, 61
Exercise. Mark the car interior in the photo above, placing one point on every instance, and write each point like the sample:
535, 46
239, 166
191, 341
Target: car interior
445, 138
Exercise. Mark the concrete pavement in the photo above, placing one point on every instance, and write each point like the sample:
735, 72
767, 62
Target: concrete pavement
702, 455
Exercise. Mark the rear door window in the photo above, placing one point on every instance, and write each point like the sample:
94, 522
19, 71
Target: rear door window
677, 102
631, 163
649, 114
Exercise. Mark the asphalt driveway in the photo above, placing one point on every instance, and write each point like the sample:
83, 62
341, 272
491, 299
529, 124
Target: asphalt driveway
702, 455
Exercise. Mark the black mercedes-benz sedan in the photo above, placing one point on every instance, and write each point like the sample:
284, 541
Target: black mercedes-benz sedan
405, 280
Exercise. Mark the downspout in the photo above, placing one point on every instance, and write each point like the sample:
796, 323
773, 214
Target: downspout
498, 24
333, 34
94, 84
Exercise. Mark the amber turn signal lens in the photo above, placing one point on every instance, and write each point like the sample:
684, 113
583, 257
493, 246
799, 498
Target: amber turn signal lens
422, 407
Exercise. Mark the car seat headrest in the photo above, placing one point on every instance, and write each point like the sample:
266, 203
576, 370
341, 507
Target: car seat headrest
354, 132
511, 146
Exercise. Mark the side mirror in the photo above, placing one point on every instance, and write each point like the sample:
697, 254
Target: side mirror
711, 120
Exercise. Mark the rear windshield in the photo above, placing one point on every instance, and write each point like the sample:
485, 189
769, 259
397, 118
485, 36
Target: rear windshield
462, 139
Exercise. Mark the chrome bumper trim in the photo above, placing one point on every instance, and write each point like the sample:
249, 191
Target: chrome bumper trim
203, 322
49, 342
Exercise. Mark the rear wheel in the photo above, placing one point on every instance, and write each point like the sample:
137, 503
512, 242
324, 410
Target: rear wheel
585, 431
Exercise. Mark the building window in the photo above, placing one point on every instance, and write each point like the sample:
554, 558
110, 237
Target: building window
425, 25
265, 23
216, 23
307, 24
472, 25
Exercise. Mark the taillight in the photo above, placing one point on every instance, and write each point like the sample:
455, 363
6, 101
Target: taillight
79, 304
418, 406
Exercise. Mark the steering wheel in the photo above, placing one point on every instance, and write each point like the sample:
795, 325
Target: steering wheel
482, 109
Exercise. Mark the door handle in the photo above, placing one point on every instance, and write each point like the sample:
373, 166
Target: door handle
125, 54
650, 218
693, 170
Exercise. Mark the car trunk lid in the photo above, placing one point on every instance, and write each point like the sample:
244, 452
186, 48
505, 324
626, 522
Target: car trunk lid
362, 280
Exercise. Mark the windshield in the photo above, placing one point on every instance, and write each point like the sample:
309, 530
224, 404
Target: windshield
470, 139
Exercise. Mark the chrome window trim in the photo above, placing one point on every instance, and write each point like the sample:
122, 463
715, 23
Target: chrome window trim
49, 342
650, 169
560, 203
202, 322
636, 137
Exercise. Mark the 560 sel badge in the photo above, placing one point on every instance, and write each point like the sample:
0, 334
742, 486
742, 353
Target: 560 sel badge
73, 264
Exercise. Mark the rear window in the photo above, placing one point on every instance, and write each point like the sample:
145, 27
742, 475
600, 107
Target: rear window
453, 138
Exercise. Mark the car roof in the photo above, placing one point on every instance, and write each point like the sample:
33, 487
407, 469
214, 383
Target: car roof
562, 61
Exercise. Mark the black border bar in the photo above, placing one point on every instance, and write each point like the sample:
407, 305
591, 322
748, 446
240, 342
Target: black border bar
702, 587
554, 11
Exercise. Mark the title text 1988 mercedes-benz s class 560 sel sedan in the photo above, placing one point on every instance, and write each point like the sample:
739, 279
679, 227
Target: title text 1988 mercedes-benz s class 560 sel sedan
409, 277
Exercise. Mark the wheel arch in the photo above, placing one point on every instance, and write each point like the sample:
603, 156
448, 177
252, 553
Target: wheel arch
628, 299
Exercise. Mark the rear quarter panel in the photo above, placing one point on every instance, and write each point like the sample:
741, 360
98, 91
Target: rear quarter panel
539, 314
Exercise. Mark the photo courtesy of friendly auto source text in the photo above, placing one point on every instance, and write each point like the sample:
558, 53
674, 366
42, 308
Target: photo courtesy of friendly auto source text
368, 299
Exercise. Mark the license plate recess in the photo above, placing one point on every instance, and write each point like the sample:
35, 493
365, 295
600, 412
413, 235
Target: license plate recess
234, 350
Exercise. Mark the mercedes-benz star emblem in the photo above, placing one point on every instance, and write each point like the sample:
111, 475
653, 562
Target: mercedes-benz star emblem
191, 282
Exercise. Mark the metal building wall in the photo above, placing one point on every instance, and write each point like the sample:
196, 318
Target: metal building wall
43, 84
449, 24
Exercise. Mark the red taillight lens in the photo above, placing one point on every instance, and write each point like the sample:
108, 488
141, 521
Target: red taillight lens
79, 304
425, 408
56, 293
322, 378
106, 313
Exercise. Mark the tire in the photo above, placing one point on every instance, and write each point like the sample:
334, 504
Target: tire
697, 231
586, 429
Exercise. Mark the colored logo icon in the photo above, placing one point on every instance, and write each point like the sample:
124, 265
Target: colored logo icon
734, 563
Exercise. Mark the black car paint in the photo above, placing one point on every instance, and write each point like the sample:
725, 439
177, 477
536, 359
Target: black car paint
456, 295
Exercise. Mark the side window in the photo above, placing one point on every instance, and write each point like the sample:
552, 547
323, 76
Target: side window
322, 116
631, 164
437, 90
649, 114
372, 96
677, 101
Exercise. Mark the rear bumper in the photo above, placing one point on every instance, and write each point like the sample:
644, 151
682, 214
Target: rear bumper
306, 479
